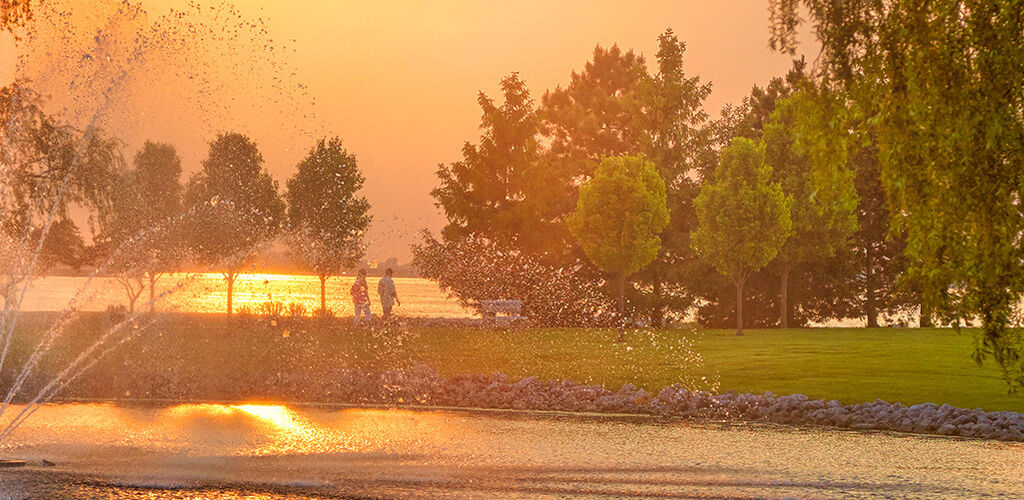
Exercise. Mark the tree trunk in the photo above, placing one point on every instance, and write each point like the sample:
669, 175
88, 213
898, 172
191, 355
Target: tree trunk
784, 296
870, 308
323, 294
622, 308
926, 316
658, 312
739, 307
152, 293
231, 285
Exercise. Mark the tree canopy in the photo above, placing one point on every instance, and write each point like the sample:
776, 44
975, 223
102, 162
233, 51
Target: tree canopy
619, 216
326, 215
743, 217
234, 205
943, 82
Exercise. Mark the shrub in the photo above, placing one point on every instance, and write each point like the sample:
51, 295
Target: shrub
272, 309
117, 313
244, 312
296, 310
474, 269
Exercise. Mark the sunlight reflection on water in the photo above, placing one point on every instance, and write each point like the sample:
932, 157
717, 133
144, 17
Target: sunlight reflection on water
207, 292
263, 450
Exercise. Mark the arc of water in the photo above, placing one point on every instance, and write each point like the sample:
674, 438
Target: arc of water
75, 162
73, 370
47, 341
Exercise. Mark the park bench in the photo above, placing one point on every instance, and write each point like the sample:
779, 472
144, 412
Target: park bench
501, 313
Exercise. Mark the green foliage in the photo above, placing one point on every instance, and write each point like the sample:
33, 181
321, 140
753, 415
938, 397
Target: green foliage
943, 85
619, 215
325, 212
234, 206
475, 268
808, 159
14, 14
235, 202
63, 245
502, 189
743, 217
49, 165
668, 111
594, 115
141, 229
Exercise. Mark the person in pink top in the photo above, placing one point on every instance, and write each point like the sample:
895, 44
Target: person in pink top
361, 298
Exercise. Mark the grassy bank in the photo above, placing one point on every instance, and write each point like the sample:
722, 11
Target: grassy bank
205, 356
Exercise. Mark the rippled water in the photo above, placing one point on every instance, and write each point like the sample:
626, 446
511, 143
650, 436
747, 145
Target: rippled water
266, 451
207, 292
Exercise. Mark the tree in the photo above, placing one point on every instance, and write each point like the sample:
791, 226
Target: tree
944, 83
819, 184
63, 245
668, 110
235, 206
47, 166
500, 189
141, 232
327, 218
14, 14
475, 268
743, 217
618, 217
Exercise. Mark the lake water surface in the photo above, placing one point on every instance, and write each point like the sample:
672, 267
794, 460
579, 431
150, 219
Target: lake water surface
268, 451
207, 292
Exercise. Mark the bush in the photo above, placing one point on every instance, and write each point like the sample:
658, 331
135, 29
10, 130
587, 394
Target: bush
117, 313
474, 269
244, 313
323, 314
296, 310
272, 309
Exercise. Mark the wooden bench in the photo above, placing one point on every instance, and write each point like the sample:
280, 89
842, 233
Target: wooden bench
501, 313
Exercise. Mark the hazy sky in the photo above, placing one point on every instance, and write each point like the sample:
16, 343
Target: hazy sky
397, 80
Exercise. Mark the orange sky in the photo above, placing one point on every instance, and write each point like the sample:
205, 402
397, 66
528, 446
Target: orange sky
397, 80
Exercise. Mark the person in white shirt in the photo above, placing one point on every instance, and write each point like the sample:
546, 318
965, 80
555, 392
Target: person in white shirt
388, 294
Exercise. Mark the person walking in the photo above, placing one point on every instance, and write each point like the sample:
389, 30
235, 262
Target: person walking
361, 298
388, 294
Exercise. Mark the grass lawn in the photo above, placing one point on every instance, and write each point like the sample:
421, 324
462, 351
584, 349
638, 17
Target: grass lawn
851, 365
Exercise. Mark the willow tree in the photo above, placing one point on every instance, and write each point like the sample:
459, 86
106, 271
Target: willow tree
618, 218
742, 217
944, 83
327, 217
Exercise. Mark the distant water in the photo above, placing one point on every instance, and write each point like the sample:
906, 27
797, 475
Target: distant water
207, 292
267, 451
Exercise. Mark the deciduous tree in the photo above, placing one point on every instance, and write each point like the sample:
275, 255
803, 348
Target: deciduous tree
814, 175
618, 218
944, 83
327, 217
235, 206
743, 217
142, 233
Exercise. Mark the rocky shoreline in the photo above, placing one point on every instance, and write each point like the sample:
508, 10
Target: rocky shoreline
422, 385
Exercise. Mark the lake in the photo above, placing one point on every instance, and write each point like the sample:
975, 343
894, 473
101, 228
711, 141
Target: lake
207, 293
270, 451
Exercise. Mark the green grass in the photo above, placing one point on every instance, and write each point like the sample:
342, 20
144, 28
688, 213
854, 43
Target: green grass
851, 365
